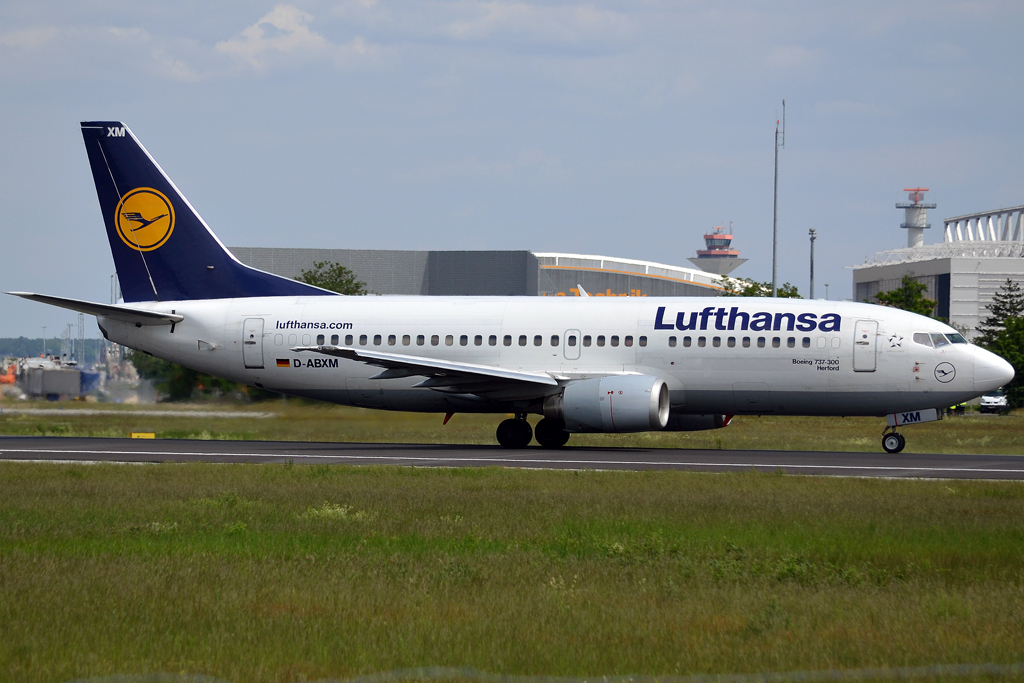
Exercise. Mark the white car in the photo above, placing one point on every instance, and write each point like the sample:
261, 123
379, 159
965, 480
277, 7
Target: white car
995, 402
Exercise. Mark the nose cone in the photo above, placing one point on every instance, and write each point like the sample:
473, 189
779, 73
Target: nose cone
990, 371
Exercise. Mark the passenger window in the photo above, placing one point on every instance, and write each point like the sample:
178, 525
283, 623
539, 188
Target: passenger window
376, 340
746, 342
702, 342
319, 340
348, 340
571, 340
836, 342
464, 340
362, 340
522, 340
554, 340
731, 342
434, 340
507, 340
586, 340
278, 339
406, 340
292, 340
449, 340
615, 340
776, 342
420, 339
306, 339
537, 340
492, 340
760, 342
791, 342
600, 340
716, 342
334, 340
939, 340
478, 340
643, 341
821, 342
922, 338
628, 341
392, 340
806, 342
686, 342
672, 342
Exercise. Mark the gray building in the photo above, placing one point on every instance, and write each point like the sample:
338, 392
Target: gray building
979, 252
490, 273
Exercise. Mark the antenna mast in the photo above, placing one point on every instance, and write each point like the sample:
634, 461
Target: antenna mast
780, 143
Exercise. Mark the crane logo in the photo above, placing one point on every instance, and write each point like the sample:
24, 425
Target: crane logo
945, 372
144, 219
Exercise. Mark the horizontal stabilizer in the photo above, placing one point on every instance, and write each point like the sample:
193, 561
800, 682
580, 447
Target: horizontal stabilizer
135, 316
400, 365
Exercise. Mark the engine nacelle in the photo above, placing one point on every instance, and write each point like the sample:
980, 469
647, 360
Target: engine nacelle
624, 403
678, 422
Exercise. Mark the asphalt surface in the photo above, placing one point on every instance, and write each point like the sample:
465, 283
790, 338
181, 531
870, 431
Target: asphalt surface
919, 465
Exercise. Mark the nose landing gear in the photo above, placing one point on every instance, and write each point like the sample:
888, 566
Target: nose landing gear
892, 441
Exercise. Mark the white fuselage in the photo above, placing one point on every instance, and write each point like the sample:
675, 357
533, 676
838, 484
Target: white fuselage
815, 358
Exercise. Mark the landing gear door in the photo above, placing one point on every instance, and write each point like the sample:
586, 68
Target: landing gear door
865, 338
571, 344
252, 343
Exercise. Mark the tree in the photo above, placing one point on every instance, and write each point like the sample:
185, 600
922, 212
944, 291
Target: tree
335, 277
1008, 302
909, 297
177, 382
744, 286
1009, 343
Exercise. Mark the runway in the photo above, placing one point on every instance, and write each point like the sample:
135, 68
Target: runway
917, 465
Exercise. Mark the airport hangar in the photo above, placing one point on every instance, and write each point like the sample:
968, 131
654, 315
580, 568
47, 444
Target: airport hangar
490, 273
979, 252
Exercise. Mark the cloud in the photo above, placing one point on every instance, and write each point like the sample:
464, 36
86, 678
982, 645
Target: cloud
568, 25
283, 35
29, 39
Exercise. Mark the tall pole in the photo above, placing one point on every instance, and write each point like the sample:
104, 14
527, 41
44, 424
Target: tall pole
780, 142
44, 341
814, 235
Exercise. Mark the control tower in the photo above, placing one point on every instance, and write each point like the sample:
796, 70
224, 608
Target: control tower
719, 257
916, 217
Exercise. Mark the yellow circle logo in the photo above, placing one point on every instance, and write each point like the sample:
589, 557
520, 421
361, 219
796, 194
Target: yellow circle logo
144, 219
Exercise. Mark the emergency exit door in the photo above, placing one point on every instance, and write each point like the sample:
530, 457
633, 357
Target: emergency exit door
864, 345
252, 343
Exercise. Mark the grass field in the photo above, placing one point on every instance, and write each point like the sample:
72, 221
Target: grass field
287, 573
295, 420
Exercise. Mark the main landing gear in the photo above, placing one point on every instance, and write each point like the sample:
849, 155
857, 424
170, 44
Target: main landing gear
892, 441
517, 433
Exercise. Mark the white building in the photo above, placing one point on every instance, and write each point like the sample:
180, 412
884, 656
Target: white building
978, 253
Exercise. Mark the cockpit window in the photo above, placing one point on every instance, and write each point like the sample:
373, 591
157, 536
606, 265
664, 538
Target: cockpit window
956, 338
939, 340
922, 338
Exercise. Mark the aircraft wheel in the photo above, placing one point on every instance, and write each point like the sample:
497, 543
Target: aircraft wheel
893, 443
550, 434
514, 433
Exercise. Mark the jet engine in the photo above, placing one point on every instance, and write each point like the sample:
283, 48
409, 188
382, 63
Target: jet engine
678, 422
623, 403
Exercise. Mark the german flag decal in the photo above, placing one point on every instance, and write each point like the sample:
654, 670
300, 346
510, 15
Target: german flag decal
283, 363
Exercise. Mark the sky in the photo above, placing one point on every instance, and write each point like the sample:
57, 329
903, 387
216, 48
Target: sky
617, 128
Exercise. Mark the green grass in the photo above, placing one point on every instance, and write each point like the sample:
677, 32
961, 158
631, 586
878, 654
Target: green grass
287, 573
304, 421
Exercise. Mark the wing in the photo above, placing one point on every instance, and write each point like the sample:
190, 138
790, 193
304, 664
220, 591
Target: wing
446, 375
135, 316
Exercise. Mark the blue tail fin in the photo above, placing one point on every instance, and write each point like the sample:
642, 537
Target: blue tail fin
163, 250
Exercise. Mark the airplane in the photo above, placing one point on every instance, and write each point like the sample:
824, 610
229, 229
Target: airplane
584, 364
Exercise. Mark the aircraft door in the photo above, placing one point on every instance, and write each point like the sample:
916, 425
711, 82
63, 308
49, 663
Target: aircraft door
252, 343
571, 343
864, 345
